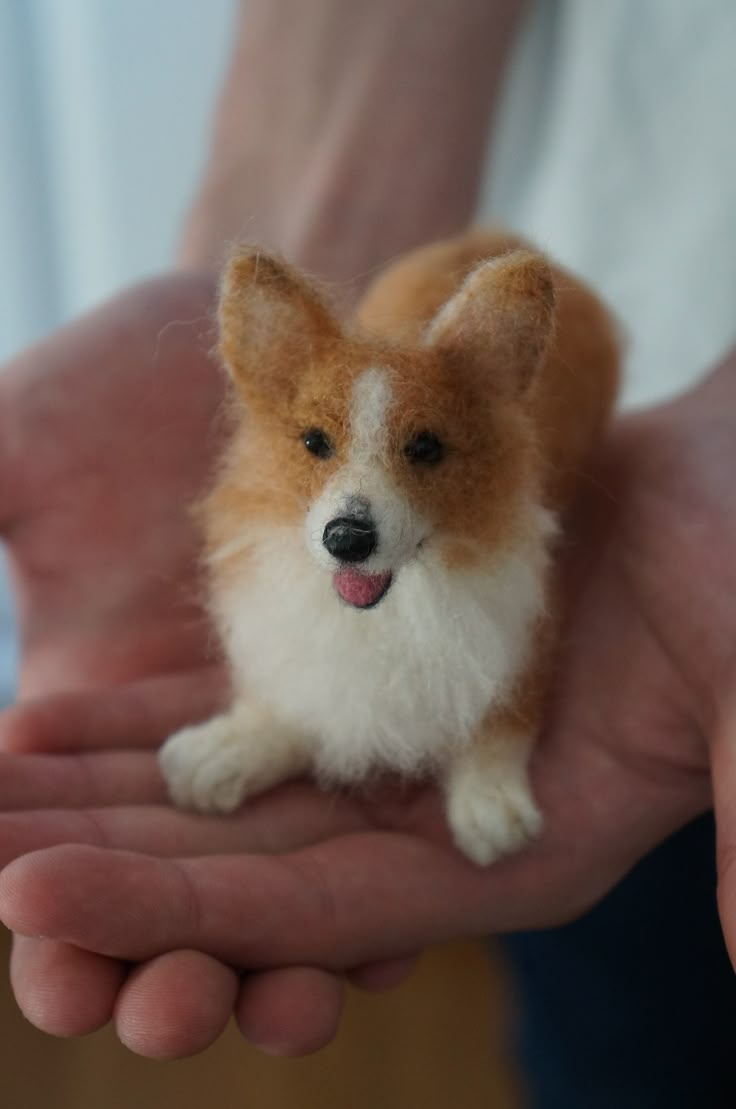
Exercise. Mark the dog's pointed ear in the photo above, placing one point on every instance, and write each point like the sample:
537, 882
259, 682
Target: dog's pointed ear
272, 323
501, 319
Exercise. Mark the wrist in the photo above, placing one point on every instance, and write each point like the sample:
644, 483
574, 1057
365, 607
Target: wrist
315, 155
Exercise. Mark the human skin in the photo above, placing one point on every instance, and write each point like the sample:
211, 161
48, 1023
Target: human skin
348, 132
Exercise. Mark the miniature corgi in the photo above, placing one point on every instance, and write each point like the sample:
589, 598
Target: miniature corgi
379, 537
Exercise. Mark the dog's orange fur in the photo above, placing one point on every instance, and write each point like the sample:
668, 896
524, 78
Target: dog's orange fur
520, 405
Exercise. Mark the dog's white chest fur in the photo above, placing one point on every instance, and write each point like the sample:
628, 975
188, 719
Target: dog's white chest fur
392, 687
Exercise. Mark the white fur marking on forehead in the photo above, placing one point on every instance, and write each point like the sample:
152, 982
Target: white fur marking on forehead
371, 400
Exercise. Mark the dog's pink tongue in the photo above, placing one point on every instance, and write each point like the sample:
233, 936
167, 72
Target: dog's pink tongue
359, 589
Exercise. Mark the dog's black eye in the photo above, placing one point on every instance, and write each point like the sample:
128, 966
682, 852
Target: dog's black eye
317, 443
425, 448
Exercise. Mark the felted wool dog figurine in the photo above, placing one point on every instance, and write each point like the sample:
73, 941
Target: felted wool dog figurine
378, 538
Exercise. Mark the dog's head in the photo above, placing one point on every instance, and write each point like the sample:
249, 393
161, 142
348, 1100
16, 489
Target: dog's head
379, 452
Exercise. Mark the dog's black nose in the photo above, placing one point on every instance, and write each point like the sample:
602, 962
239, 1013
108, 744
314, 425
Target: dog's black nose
350, 538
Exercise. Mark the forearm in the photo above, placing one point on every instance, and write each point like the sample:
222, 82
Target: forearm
350, 131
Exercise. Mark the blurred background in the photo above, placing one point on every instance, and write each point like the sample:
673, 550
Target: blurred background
104, 114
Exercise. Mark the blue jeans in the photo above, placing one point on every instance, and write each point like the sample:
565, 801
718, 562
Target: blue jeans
634, 1005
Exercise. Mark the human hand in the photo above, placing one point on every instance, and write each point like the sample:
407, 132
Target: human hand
640, 715
107, 434
102, 555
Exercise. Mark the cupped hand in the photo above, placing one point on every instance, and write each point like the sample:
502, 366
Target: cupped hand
109, 430
639, 719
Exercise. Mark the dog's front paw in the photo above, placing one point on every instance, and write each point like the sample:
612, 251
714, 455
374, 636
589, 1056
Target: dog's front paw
214, 766
206, 767
492, 816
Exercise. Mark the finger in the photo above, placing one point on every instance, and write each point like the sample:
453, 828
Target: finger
61, 989
284, 820
79, 781
142, 714
175, 1005
352, 900
293, 1011
723, 761
385, 975
349, 900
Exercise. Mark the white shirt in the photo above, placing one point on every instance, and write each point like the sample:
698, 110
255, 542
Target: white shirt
615, 150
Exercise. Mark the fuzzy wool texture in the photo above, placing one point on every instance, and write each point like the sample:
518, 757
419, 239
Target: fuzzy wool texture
488, 317
213, 766
490, 807
398, 687
381, 608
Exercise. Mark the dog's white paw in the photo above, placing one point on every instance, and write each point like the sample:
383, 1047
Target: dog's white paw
207, 767
214, 766
492, 816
